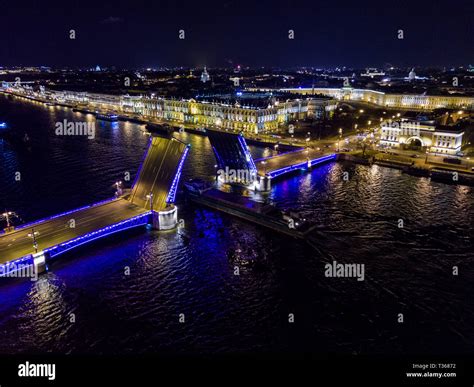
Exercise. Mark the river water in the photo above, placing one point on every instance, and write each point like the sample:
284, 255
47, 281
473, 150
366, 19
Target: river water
190, 273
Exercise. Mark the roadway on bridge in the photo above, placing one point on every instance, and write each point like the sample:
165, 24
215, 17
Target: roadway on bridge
52, 232
287, 159
157, 173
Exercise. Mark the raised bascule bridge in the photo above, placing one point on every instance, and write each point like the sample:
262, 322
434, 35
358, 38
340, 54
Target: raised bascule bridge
232, 154
237, 167
149, 203
151, 200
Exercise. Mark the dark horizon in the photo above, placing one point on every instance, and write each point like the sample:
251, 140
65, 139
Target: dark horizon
228, 33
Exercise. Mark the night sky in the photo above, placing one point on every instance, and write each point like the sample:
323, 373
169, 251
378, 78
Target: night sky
251, 33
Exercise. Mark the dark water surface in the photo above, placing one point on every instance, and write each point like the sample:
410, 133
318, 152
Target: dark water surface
191, 271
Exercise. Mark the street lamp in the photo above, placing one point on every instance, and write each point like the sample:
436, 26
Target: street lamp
150, 198
33, 236
118, 185
7, 215
339, 141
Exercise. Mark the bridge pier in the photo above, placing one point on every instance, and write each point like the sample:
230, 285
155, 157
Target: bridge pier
39, 262
263, 184
166, 219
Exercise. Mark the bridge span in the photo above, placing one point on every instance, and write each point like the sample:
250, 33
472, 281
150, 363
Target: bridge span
232, 154
299, 159
150, 202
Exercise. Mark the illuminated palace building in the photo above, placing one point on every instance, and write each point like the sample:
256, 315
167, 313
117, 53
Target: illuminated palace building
255, 115
247, 112
439, 136
396, 101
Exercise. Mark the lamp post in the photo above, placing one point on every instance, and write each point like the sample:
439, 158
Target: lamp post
118, 185
7, 215
150, 198
33, 236
339, 141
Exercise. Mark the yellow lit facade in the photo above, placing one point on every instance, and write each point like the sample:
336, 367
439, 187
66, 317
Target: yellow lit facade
396, 101
224, 116
199, 113
425, 134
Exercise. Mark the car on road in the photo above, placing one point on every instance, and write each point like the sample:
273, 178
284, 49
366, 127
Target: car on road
415, 156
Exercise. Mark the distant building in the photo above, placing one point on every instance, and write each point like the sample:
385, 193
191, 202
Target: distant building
372, 72
205, 76
248, 115
429, 135
412, 75
398, 101
227, 116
